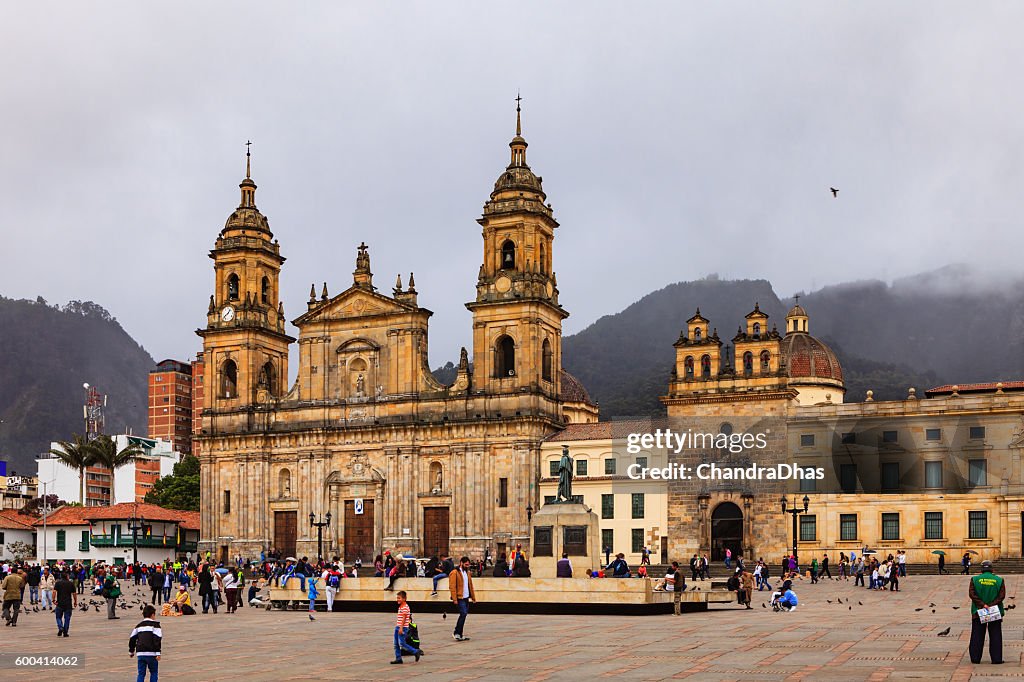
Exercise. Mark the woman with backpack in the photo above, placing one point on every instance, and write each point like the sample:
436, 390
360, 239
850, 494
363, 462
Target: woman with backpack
111, 591
332, 581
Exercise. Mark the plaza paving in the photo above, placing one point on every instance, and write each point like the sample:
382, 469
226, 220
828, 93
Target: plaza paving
882, 638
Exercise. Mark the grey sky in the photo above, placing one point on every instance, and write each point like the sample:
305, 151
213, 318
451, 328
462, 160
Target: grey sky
675, 141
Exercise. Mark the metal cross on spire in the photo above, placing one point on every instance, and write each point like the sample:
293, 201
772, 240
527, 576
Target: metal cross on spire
247, 155
519, 125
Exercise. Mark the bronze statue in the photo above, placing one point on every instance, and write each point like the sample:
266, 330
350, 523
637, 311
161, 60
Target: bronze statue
564, 477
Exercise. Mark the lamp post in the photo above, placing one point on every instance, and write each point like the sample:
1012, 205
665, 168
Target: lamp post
529, 513
46, 512
135, 525
796, 511
319, 525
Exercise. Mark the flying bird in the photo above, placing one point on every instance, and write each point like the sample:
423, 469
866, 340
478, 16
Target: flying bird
944, 632
835, 192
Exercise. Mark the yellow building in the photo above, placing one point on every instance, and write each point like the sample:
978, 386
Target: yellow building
366, 433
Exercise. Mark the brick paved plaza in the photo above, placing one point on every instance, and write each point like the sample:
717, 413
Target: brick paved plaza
885, 638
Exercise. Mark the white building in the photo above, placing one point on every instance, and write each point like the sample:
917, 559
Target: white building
90, 534
131, 482
15, 527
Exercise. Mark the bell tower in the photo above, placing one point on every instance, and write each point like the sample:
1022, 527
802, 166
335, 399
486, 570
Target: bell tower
517, 320
244, 342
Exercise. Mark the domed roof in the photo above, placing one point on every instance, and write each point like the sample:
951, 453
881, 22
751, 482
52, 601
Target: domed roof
518, 178
808, 359
797, 310
572, 390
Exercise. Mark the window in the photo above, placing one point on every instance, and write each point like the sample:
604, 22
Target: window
229, 380
808, 484
502, 492
848, 478
609, 467
766, 361
705, 367
265, 295
806, 440
505, 365
638, 505
933, 434
848, 438
641, 462
1, 537
748, 363
608, 506
607, 539
978, 472
232, 287
808, 528
757, 329
508, 255
581, 467
933, 474
61, 540
977, 433
977, 525
546, 360
688, 366
890, 436
696, 334
891, 526
933, 525
847, 526
227, 501
890, 475
637, 537
553, 468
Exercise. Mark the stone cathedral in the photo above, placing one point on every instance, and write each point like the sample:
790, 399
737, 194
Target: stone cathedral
399, 460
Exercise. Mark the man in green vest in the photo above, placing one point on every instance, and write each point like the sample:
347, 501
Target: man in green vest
987, 589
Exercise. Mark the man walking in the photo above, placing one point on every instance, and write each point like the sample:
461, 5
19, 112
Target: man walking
461, 583
156, 585
675, 583
402, 625
12, 587
986, 590
66, 598
145, 643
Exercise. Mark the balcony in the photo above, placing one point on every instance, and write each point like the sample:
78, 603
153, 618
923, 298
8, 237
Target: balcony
126, 541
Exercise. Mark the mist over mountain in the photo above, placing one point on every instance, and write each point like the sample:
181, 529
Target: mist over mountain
952, 325
46, 353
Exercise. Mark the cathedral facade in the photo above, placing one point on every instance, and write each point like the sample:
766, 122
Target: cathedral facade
367, 434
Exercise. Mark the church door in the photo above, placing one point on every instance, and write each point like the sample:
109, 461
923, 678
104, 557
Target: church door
285, 531
358, 532
435, 530
726, 531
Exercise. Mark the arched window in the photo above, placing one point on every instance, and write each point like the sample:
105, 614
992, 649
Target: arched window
547, 359
508, 255
543, 260
748, 363
265, 296
794, 325
284, 483
505, 362
766, 361
688, 366
705, 367
268, 378
232, 287
696, 334
229, 380
757, 329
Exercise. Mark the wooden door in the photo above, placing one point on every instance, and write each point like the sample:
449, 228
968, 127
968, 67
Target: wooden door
359, 532
285, 532
435, 530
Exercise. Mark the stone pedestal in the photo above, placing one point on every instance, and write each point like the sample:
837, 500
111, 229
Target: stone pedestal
567, 527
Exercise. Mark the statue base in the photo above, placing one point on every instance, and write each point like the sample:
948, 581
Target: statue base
565, 527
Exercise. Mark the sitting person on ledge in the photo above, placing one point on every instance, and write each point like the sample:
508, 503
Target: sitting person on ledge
500, 568
619, 568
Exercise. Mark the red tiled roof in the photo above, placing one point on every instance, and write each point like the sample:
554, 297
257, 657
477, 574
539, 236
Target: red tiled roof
573, 391
991, 386
618, 428
12, 520
189, 520
81, 516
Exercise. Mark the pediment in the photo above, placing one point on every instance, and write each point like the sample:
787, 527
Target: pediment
353, 303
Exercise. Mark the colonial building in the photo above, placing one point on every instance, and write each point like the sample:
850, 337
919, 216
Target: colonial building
367, 433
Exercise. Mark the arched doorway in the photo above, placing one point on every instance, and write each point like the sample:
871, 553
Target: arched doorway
726, 531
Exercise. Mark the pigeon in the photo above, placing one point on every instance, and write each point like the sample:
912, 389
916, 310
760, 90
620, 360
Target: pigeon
920, 609
839, 600
829, 601
850, 607
835, 192
311, 617
955, 608
1011, 606
444, 615
933, 610
931, 604
763, 605
860, 603
944, 632
35, 609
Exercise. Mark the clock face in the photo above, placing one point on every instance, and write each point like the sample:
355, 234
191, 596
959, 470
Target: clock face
227, 314
502, 284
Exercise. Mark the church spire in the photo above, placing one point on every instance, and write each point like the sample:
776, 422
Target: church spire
248, 187
518, 143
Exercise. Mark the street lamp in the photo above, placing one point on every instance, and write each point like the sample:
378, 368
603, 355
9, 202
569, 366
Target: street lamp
796, 512
135, 525
529, 513
319, 525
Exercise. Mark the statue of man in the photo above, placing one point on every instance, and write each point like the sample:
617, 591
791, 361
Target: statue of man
360, 385
565, 476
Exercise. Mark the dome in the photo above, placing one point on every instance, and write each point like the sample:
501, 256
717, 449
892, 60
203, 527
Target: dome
518, 178
809, 361
797, 311
572, 390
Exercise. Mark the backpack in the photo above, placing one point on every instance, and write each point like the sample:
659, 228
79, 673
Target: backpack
412, 635
111, 589
334, 580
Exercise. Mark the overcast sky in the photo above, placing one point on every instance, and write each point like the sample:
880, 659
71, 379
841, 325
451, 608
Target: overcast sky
675, 141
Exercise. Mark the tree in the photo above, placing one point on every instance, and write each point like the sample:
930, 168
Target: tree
77, 454
180, 490
35, 505
106, 454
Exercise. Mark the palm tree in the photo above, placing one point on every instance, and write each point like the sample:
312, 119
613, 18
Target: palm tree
106, 453
77, 454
